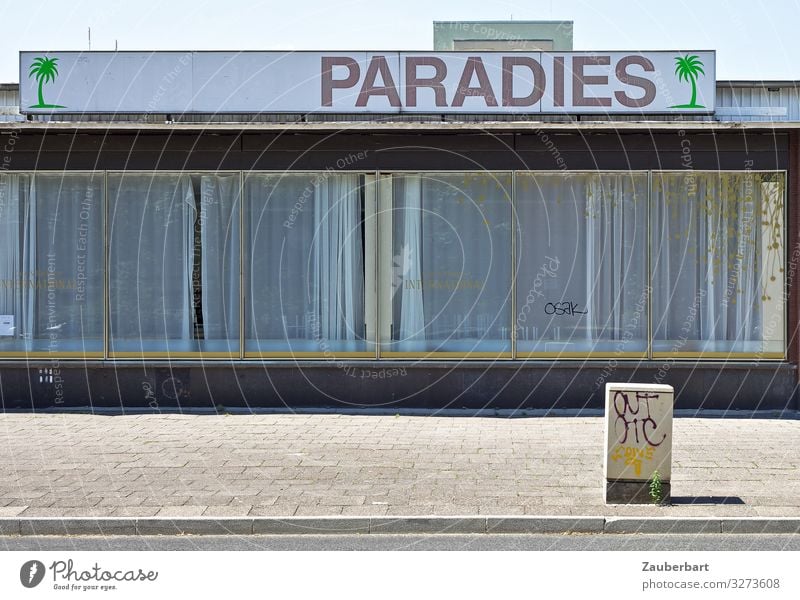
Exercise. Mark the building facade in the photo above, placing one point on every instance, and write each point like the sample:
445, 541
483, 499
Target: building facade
495, 249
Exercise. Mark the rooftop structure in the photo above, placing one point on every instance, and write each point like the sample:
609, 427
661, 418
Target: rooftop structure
526, 36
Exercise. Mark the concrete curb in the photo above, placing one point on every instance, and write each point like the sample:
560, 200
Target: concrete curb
108, 526
663, 525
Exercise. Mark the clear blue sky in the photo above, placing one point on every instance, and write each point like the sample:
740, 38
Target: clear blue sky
754, 39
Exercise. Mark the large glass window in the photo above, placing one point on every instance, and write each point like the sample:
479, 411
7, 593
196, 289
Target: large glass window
51, 272
718, 263
447, 270
305, 264
174, 263
582, 263
618, 264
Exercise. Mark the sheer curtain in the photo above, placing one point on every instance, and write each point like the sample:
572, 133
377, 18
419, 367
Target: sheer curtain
220, 242
277, 246
305, 262
452, 248
18, 275
69, 247
582, 262
51, 271
151, 261
337, 274
708, 267
616, 255
408, 281
36, 278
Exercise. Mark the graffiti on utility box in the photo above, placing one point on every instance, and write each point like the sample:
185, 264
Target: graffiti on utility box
633, 456
638, 431
635, 416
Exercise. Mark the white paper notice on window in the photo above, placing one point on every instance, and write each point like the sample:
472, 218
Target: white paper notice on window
6, 325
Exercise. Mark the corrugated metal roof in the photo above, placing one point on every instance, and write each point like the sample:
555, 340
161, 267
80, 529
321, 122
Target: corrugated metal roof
758, 103
755, 83
9, 102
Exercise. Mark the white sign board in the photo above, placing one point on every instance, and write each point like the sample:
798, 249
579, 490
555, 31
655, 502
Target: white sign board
6, 325
638, 428
677, 82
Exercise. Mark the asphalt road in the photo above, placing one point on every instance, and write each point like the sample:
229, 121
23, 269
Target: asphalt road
409, 542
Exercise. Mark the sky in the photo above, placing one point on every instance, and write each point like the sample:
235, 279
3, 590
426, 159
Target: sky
754, 39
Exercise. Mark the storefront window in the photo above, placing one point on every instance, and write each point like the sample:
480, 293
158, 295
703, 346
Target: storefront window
305, 264
449, 273
718, 274
51, 274
174, 263
689, 265
582, 263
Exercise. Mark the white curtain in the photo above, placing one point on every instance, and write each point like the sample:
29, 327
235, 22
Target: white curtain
10, 267
305, 261
451, 245
52, 265
18, 275
408, 261
615, 262
69, 234
279, 227
152, 259
34, 275
219, 227
337, 291
707, 264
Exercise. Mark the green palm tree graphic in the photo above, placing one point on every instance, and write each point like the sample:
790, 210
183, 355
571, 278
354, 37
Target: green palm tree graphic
689, 68
45, 70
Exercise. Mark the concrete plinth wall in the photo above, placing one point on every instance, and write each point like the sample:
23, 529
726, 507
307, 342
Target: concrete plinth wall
388, 385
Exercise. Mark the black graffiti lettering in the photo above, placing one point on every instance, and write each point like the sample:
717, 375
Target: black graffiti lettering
560, 309
627, 417
651, 422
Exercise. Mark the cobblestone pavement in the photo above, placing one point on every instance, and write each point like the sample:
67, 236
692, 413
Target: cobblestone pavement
280, 465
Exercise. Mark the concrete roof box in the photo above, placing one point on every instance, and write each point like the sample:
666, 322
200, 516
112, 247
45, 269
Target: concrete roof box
527, 36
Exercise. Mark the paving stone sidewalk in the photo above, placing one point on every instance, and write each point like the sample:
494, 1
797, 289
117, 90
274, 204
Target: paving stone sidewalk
74, 465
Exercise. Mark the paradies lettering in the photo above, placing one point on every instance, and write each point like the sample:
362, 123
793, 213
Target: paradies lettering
524, 82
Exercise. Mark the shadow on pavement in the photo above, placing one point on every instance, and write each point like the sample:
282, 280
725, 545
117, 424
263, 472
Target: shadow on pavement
706, 500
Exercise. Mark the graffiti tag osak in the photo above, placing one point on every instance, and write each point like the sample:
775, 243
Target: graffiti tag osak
633, 417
